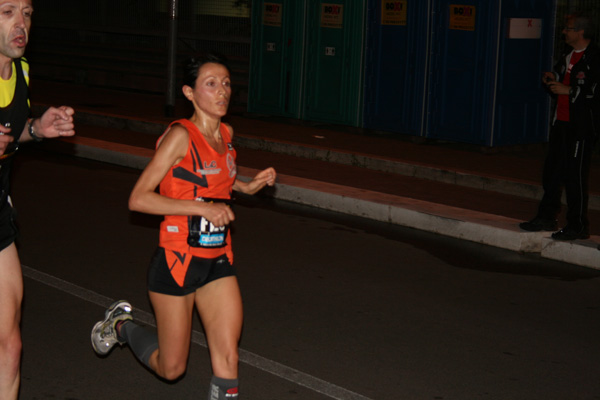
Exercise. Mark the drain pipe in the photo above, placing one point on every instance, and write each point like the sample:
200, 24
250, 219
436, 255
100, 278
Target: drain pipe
172, 61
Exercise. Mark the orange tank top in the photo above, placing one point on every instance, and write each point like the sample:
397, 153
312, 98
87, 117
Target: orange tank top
202, 175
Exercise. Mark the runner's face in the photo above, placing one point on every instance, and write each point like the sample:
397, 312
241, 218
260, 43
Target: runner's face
213, 90
15, 22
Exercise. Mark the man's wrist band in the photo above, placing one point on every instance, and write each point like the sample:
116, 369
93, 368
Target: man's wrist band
31, 131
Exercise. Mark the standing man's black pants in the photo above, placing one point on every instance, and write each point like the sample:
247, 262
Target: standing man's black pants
567, 164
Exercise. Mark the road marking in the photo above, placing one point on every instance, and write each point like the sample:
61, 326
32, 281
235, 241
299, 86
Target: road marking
254, 360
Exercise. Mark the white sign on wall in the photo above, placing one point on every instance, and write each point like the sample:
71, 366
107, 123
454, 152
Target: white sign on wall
524, 28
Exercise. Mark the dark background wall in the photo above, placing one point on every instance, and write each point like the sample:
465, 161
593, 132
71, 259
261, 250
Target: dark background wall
122, 44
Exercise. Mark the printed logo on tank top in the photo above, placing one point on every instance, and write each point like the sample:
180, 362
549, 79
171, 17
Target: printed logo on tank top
210, 168
231, 166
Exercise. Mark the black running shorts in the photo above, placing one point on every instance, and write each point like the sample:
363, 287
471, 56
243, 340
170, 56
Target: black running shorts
199, 272
8, 227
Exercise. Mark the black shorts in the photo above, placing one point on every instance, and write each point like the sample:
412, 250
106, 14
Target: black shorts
199, 272
8, 227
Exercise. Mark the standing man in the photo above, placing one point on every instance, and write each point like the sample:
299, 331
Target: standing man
573, 132
16, 127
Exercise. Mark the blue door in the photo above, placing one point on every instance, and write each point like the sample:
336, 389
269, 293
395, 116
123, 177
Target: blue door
462, 74
526, 46
396, 65
486, 63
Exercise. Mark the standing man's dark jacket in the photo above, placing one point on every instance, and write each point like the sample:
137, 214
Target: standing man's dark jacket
584, 98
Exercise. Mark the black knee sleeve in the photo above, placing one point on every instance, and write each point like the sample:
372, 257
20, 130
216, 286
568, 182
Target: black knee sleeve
141, 341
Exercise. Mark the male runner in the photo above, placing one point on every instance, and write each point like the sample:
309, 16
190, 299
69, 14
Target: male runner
16, 127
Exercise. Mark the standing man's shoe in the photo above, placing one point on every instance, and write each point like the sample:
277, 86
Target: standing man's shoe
539, 224
567, 233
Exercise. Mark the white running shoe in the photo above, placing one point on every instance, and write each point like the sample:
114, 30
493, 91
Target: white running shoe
104, 333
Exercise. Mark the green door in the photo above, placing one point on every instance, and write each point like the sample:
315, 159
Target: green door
276, 58
333, 81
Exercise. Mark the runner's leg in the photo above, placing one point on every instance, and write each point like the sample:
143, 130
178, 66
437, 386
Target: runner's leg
219, 304
174, 326
11, 296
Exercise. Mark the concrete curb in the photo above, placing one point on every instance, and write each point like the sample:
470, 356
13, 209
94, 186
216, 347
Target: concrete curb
459, 223
587, 251
490, 183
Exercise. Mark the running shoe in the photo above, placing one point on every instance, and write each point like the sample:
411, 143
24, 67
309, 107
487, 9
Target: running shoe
104, 333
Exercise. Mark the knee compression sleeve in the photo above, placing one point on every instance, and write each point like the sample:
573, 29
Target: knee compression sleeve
142, 342
223, 389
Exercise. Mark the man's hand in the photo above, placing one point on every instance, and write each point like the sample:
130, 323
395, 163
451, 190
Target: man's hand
548, 77
5, 138
558, 88
55, 122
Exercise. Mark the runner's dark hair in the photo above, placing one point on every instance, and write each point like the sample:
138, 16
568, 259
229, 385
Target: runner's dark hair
193, 65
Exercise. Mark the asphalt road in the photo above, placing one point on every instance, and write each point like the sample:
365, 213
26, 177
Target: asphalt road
335, 307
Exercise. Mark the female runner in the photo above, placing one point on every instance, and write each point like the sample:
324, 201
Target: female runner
194, 167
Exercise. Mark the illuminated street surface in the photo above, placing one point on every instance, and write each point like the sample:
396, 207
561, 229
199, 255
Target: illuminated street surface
336, 307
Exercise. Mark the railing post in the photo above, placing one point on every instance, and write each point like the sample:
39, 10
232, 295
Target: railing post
172, 61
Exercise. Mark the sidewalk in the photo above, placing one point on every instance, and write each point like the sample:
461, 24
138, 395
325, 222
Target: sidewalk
457, 190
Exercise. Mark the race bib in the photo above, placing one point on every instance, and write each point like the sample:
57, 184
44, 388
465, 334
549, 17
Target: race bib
203, 233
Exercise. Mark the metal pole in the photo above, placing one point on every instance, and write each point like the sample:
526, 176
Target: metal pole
172, 61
